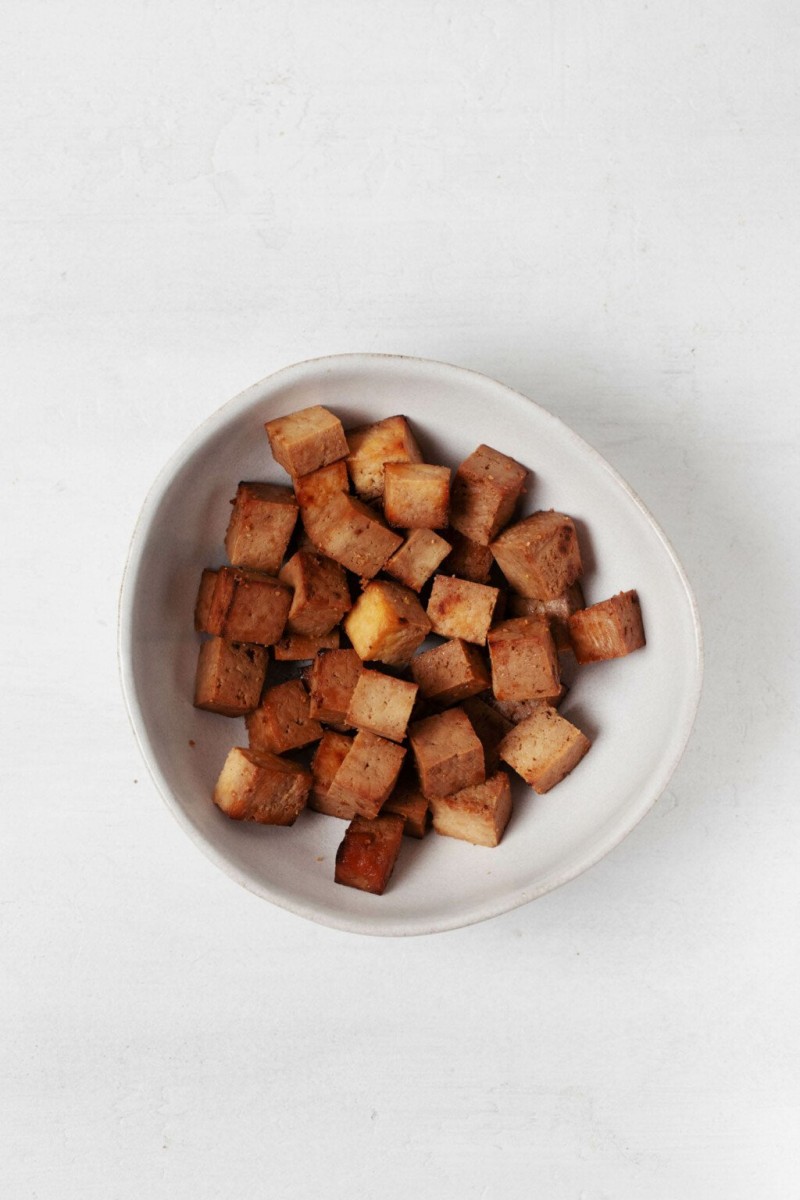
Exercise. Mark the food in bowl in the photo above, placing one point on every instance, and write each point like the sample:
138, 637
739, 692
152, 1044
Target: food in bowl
290, 586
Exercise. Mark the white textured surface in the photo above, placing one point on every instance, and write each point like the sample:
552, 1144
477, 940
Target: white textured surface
594, 203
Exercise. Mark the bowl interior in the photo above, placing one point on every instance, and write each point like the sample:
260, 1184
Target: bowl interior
637, 710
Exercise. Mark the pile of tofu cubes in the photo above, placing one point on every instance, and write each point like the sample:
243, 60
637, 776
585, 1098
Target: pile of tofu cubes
388, 552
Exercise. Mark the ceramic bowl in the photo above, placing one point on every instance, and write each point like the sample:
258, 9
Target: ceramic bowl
638, 710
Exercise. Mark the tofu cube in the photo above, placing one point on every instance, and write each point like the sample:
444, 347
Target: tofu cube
366, 857
459, 608
491, 727
477, 814
540, 556
306, 440
230, 677
261, 787
261, 525
331, 681
524, 659
610, 629
372, 446
411, 805
368, 774
352, 534
205, 596
382, 704
299, 647
486, 489
314, 491
282, 720
418, 557
544, 748
328, 757
557, 611
468, 559
448, 753
450, 672
248, 606
387, 623
320, 597
416, 495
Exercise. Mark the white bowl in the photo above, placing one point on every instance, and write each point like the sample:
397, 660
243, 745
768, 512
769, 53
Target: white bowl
638, 710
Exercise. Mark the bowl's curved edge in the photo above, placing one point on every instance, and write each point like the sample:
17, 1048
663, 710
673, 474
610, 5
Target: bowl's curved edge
342, 922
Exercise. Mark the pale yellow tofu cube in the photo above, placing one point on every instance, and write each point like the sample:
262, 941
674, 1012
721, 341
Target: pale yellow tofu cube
387, 623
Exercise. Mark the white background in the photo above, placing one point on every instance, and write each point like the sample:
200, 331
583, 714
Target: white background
595, 203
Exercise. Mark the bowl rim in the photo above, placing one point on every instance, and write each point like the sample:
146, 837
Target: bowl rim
353, 923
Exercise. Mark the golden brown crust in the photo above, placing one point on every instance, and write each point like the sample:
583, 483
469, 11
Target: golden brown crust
368, 774
544, 748
229, 677
367, 854
282, 720
450, 672
306, 440
458, 608
540, 556
418, 557
261, 525
486, 489
261, 787
524, 659
611, 629
416, 495
448, 753
320, 595
381, 704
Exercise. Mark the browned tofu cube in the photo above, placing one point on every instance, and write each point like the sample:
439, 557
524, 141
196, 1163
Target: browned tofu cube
524, 659
416, 495
381, 704
387, 623
320, 597
248, 606
418, 557
477, 814
331, 681
411, 805
328, 757
282, 720
450, 672
366, 857
261, 525
230, 677
205, 596
305, 440
299, 647
610, 629
255, 786
372, 446
486, 489
491, 727
314, 491
557, 611
468, 559
368, 774
459, 608
540, 556
448, 753
544, 748
352, 534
